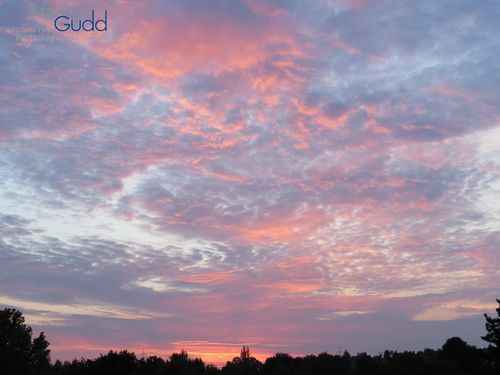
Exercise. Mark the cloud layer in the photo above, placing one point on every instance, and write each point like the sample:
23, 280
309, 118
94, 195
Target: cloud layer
296, 176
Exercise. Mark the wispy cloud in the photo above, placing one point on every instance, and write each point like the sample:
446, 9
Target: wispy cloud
251, 171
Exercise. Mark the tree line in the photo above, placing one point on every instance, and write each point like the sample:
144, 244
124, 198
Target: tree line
21, 354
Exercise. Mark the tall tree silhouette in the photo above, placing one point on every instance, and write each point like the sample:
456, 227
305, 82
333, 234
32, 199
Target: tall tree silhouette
245, 353
492, 336
245, 364
19, 353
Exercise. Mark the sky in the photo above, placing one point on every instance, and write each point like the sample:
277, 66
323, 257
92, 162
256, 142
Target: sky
296, 176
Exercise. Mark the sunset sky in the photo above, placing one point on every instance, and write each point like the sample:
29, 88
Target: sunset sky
294, 175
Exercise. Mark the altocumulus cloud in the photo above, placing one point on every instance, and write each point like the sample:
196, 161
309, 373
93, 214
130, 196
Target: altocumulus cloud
285, 174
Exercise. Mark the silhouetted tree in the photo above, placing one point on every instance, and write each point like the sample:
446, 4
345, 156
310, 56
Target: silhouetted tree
492, 336
123, 363
152, 366
245, 353
19, 354
181, 364
280, 364
211, 370
75, 367
468, 358
40, 354
365, 364
245, 364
